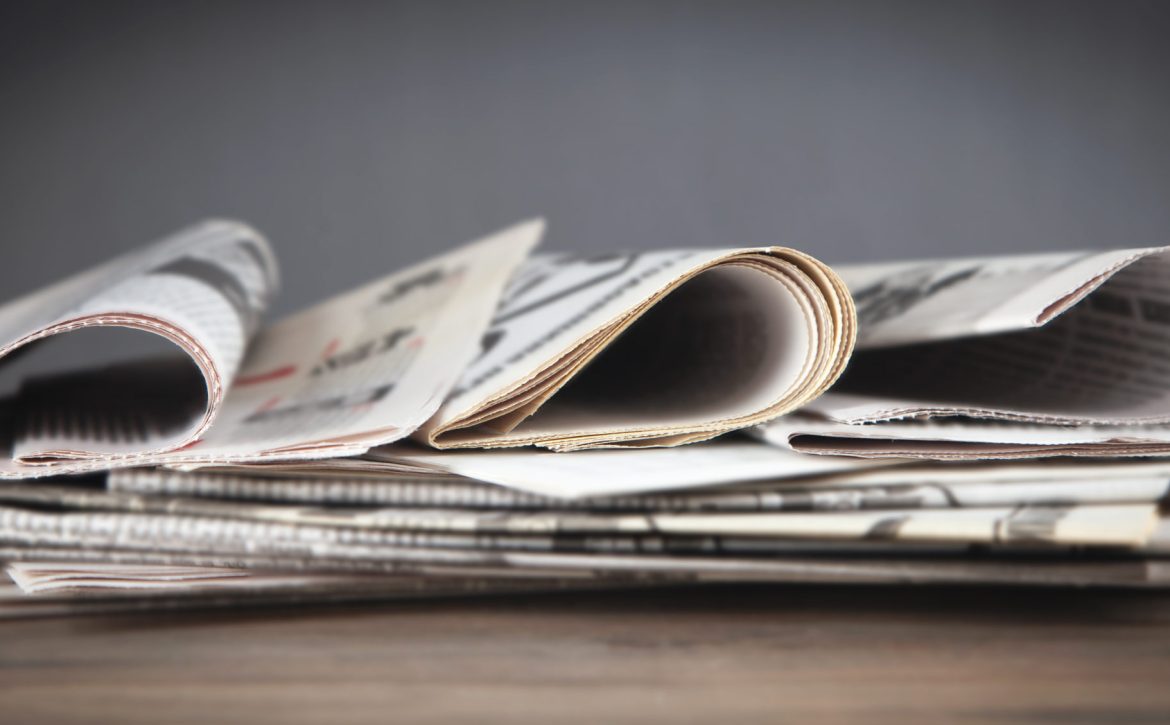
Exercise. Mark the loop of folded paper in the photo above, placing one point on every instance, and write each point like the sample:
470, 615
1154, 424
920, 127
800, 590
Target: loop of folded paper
730, 339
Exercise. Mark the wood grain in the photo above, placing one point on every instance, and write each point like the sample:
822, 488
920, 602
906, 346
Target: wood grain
724, 654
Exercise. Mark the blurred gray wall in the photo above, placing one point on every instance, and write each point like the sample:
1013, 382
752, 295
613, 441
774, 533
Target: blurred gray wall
362, 136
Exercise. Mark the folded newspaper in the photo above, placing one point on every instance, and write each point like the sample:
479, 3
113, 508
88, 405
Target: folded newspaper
650, 349
364, 368
1001, 357
657, 348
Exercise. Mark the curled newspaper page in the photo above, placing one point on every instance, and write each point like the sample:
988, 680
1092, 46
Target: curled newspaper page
650, 349
203, 289
367, 367
1010, 357
362, 369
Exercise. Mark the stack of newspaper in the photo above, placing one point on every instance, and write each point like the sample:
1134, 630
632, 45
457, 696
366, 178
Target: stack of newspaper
499, 420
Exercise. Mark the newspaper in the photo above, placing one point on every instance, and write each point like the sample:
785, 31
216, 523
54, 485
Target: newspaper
203, 289
638, 515
480, 347
1120, 525
649, 349
57, 588
43, 577
626, 570
958, 439
345, 489
710, 472
1055, 354
531, 516
581, 473
992, 483
359, 370
573, 474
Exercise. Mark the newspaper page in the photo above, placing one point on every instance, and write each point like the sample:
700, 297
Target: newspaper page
1095, 479
360, 370
62, 588
629, 571
649, 349
956, 439
1114, 525
367, 367
587, 473
203, 289
324, 489
44, 577
1056, 569
116, 591
603, 514
1037, 347
195, 492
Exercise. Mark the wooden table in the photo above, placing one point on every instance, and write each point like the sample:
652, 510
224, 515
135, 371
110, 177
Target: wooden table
726, 654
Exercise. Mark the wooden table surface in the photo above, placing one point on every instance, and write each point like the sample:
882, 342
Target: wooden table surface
726, 654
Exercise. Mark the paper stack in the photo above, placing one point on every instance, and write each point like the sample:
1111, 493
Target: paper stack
495, 420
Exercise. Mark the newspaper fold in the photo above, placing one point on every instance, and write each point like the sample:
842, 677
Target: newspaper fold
203, 289
359, 370
650, 349
1039, 355
957, 439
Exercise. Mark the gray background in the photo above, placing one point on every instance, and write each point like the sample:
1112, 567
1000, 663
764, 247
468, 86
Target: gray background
362, 136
